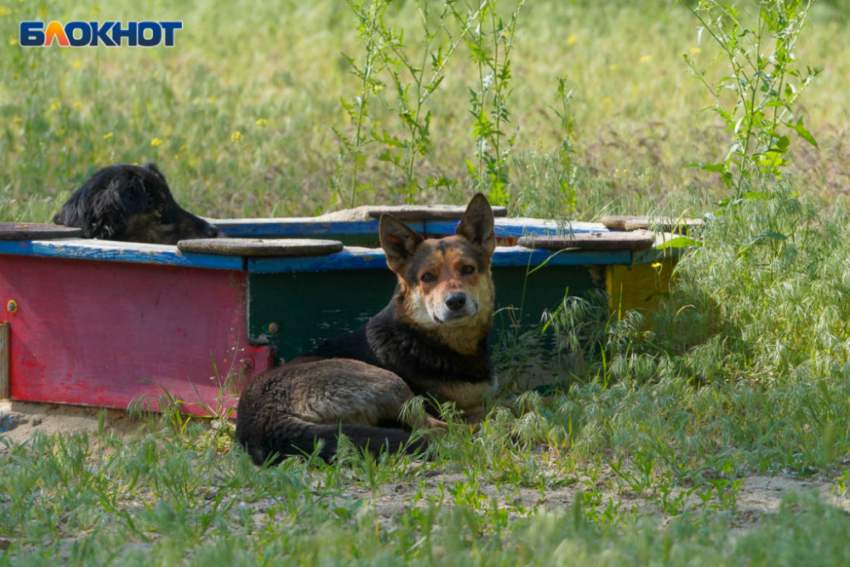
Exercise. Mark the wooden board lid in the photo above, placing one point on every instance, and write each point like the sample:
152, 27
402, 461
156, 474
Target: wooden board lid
260, 246
412, 213
36, 231
667, 224
591, 241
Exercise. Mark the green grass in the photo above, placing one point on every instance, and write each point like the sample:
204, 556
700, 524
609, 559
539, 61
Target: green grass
65, 113
641, 455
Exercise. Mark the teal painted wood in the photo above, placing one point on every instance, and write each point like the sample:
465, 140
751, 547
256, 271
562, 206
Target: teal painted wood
352, 258
110, 251
295, 311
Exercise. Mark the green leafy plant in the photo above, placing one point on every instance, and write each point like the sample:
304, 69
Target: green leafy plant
764, 79
490, 44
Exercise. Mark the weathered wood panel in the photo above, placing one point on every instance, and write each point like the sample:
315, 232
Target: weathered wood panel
296, 311
104, 334
36, 231
113, 251
667, 224
639, 287
591, 241
260, 247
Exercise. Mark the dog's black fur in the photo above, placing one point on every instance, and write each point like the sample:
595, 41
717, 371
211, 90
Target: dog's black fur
131, 203
425, 342
389, 342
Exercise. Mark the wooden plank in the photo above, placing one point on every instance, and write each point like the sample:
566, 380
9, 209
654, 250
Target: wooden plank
410, 213
36, 231
5, 357
253, 247
106, 334
667, 224
591, 241
354, 258
112, 251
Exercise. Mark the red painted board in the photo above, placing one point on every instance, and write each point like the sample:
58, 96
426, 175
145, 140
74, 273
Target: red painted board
109, 333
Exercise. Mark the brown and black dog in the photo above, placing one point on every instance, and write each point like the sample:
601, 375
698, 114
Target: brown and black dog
431, 341
131, 203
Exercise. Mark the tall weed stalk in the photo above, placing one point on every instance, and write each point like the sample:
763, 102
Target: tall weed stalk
762, 75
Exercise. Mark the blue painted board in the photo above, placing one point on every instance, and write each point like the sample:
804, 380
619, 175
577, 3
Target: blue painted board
110, 251
300, 227
353, 258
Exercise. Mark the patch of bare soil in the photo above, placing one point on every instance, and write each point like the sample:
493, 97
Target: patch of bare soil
758, 496
19, 421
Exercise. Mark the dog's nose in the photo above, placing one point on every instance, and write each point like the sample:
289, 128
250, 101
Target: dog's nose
456, 301
212, 232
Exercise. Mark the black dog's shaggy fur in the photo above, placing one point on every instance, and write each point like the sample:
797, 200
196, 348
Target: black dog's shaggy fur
131, 203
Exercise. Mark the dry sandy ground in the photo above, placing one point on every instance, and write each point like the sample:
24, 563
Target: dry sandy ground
758, 495
20, 420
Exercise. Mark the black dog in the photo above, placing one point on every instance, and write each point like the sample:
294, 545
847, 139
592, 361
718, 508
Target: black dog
131, 203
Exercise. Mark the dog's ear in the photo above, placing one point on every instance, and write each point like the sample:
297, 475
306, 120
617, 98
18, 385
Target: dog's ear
398, 241
478, 225
109, 211
151, 166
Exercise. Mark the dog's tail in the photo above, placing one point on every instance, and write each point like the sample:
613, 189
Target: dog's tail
293, 436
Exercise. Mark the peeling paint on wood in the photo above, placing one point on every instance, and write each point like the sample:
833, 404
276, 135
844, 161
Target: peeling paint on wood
112, 251
105, 334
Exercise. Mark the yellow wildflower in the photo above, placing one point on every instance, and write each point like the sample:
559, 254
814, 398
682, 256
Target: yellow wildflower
60, 132
262, 122
236, 137
156, 142
107, 136
572, 39
606, 100
645, 58
78, 63
696, 50
613, 67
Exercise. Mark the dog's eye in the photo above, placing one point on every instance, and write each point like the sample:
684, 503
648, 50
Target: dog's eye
428, 277
466, 270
